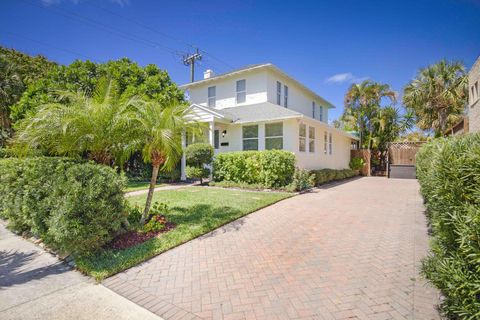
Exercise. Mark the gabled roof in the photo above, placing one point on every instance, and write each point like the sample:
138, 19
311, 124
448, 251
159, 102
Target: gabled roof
252, 67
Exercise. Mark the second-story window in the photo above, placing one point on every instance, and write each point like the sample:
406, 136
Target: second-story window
285, 96
330, 143
212, 96
321, 113
279, 93
241, 91
313, 109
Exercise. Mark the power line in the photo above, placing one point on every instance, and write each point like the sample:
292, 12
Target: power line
192, 46
73, 16
50, 45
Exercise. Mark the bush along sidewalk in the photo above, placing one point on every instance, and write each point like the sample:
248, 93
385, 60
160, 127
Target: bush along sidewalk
448, 171
74, 207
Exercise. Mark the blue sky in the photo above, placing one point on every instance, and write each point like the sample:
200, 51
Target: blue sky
326, 45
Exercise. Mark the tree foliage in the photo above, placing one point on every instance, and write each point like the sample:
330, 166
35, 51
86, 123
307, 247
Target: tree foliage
437, 96
148, 82
17, 72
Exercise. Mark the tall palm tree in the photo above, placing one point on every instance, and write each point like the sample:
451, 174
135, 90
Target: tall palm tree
159, 128
77, 125
362, 104
437, 95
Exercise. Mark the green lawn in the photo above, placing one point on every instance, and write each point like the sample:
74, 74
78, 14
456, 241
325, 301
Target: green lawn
195, 210
139, 185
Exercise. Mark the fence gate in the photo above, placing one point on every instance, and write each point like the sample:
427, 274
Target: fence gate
401, 159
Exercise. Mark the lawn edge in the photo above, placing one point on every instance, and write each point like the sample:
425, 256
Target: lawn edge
101, 278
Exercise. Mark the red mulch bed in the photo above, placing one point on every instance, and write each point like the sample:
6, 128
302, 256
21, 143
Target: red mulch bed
132, 238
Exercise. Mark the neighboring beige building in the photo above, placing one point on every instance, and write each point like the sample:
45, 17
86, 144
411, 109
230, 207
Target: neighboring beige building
473, 97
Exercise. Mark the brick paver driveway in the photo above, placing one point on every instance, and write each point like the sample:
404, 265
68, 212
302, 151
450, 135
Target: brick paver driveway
349, 251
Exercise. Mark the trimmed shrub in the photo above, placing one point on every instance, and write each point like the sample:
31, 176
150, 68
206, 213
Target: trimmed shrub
73, 206
448, 170
199, 154
327, 175
356, 163
270, 168
197, 173
302, 180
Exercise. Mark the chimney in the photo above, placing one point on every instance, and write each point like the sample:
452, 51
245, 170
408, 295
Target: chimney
208, 74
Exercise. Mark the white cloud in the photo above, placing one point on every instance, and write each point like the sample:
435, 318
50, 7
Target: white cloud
340, 77
345, 77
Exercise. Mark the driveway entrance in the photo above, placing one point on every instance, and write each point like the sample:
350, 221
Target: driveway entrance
346, 251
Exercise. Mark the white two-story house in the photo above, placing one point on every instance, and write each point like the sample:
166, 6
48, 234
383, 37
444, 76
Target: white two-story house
260, 107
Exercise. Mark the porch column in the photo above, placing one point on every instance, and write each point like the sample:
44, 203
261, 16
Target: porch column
211, 133
183, 163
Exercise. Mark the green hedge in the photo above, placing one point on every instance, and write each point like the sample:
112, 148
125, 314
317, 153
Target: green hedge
448, 170
327, 175
270, 168
73, 206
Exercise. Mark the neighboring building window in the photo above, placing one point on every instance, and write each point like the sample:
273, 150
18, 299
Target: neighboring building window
279, 93
321, 113
274, 135
216, 139
241, 91
212, 96
313, 109
325, 142
474, 90
250, 137
330, 143
311, 139
285, 96
302, 137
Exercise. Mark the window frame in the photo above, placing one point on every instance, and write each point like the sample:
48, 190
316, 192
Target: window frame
214, 97
330, 143
310, 139
313, 109
237, 92
325, 142
285, 96
279, 93
273, 137
320, 113
302, 138
249, 138
216, 139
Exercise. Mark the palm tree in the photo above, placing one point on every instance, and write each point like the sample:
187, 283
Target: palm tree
437, 95
362, 104
77, 125
159, 128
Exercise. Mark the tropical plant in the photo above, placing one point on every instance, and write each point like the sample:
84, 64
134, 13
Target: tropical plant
362, 105
198, 156
77, 125
159, 128
437, 96
356, 163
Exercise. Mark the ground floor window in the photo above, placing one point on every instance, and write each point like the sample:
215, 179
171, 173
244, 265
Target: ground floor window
274, 136
311, 139
325, 142
216, 139
302, 137
250, 137
330, 143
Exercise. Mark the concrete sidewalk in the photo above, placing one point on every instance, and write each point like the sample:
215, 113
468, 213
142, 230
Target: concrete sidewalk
35, 285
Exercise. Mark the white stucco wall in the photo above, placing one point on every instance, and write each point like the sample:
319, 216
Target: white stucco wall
256, 91
339, 159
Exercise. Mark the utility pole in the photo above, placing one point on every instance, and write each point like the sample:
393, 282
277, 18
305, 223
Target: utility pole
189, 60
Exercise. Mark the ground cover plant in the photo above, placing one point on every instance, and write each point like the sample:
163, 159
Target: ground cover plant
194, 211
448, 170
